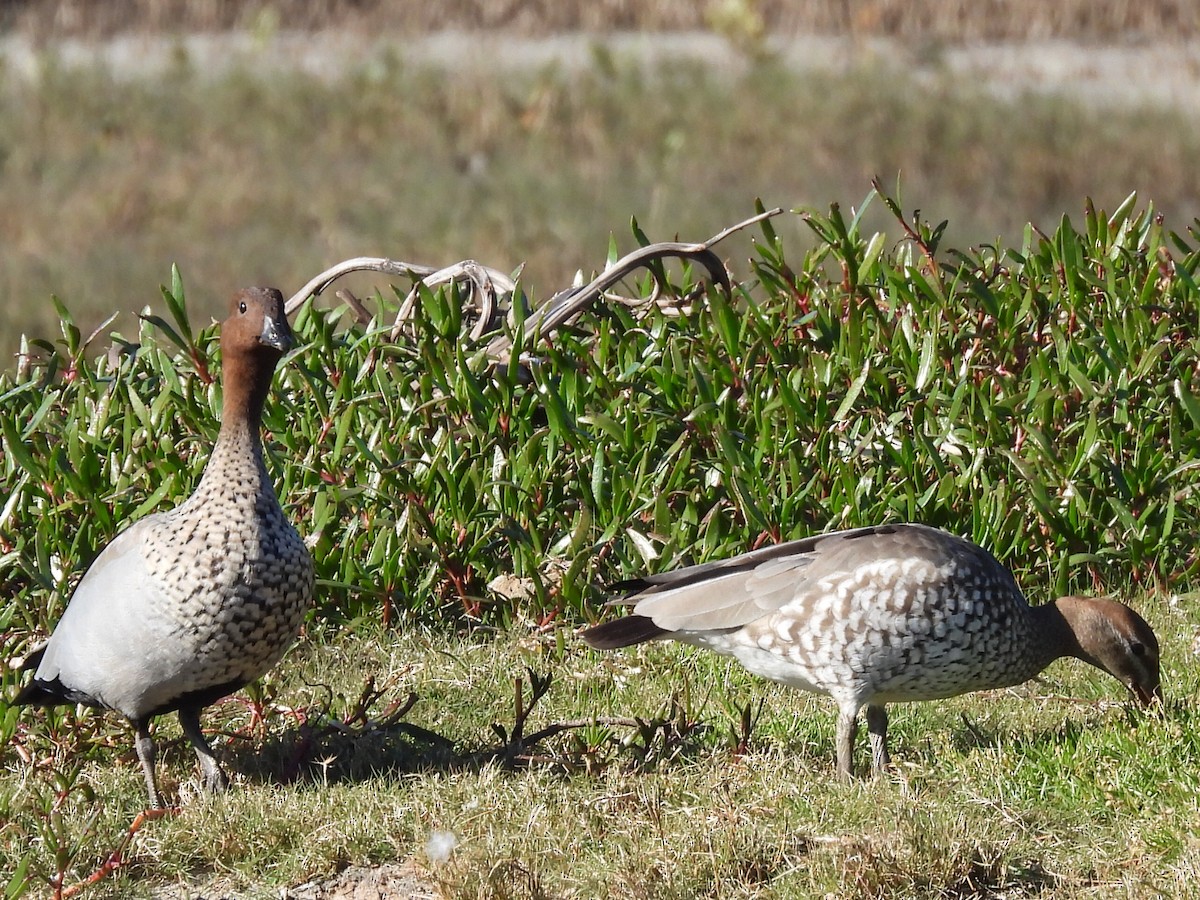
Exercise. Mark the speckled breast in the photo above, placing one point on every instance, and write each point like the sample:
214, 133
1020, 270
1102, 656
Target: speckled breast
237, 581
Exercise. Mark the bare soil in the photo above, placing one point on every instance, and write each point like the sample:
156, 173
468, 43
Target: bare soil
391, 881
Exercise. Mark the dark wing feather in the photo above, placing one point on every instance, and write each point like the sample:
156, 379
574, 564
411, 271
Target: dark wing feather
624, 632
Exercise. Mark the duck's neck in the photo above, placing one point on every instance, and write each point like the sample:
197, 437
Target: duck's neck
237, 456
246, 380
1056, 626
239, 440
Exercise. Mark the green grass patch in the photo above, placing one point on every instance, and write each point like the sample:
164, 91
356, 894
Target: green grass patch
1021, 791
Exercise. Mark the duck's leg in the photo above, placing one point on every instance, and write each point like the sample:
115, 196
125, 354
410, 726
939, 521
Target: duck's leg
144, 745
847, 729
877, 721
215, 780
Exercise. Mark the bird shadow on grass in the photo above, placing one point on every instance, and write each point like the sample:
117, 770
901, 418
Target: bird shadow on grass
973, 736
970, 736
369, 737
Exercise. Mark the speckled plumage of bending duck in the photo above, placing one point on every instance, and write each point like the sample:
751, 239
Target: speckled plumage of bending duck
188, 605
879, 615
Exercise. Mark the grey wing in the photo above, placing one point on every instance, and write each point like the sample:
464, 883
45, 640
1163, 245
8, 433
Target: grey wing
724, 601
109, 632
730, 593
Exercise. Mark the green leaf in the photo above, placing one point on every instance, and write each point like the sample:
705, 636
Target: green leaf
852, 393
151, 503
1187, 400
615, 432
176, 305
17, 447
928, 355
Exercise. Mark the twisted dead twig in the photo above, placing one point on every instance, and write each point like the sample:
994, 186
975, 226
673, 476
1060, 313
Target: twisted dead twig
516, 747
514, 744
488, 287
565, 305
357, 722
317, 285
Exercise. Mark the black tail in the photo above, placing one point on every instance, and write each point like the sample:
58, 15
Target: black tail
37, 694
624, 632
32, 694
51, 693
47, 693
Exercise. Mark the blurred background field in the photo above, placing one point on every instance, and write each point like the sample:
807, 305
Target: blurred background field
923, 19
260, 142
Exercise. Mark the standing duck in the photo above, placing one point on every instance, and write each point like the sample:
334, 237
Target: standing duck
188, 605
887, 614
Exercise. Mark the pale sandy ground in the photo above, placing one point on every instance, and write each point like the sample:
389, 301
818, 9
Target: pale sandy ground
390, 881
1164, 74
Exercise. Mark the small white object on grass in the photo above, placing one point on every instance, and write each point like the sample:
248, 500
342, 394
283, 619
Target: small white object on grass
440, 845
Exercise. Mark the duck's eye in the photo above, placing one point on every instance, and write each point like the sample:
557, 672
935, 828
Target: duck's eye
242, 307
1137, 648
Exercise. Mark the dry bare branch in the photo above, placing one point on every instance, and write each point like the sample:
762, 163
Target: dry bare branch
359, 264
565, 305
490, 291
487, 285
360, 312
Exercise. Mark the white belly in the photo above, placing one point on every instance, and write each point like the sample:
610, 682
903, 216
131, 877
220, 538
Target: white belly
760, 662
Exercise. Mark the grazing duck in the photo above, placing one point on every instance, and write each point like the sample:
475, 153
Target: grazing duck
188, 605
888, 614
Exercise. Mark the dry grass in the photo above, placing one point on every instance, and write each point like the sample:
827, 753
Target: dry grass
910, 19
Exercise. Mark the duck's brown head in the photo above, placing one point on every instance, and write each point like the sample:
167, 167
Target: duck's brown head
254, 337
1113, 637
